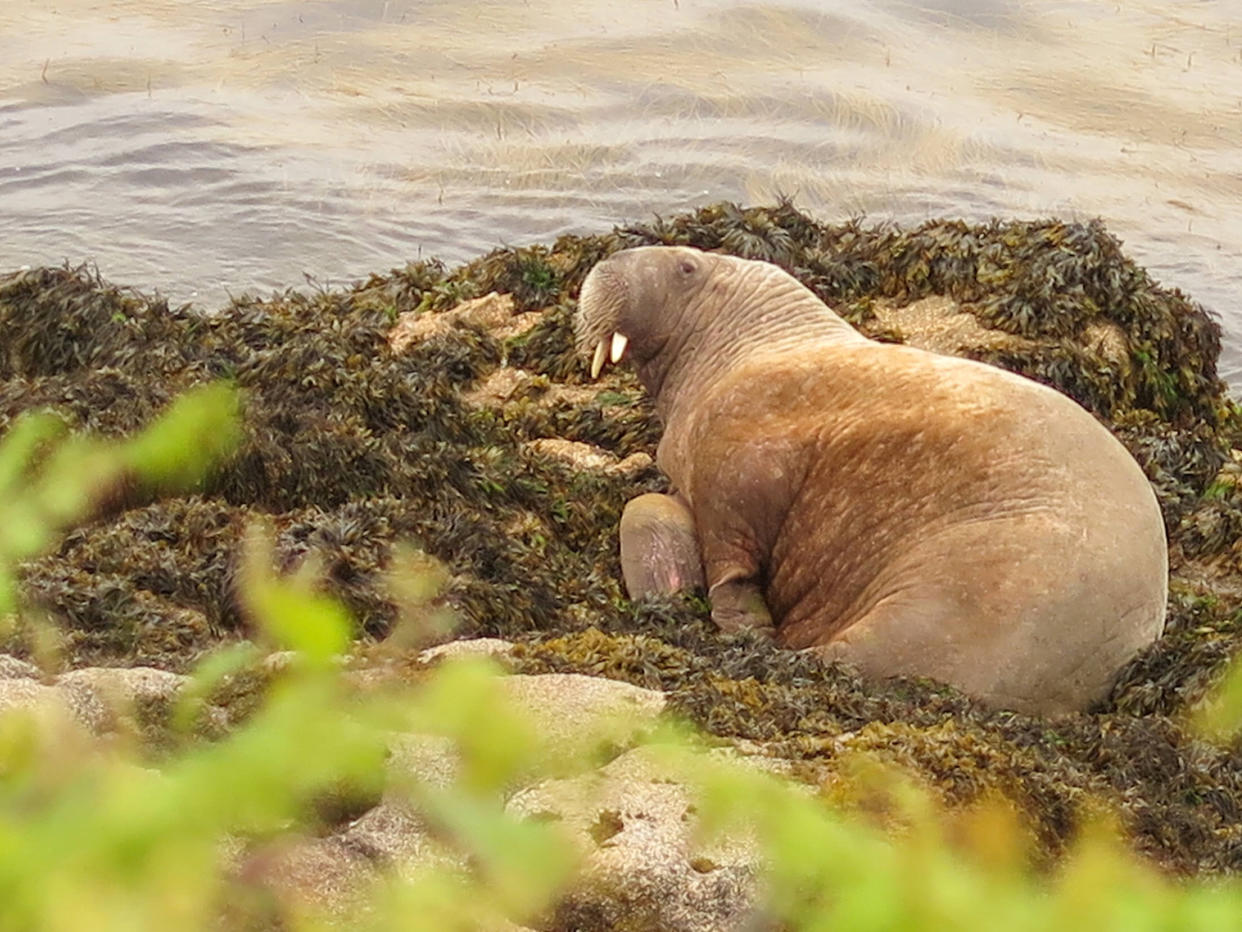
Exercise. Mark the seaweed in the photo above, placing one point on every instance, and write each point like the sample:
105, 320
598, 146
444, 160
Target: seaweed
516, 485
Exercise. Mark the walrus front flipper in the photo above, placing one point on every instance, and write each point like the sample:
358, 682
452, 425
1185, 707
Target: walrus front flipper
738, 605
659, 549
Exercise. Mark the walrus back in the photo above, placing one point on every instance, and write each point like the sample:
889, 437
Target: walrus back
923, 502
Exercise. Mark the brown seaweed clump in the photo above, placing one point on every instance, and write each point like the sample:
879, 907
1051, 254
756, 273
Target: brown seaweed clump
482, 442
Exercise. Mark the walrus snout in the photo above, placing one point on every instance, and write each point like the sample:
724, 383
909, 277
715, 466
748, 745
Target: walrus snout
600, 306
634, 298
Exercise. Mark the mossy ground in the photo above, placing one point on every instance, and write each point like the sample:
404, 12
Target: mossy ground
350, 448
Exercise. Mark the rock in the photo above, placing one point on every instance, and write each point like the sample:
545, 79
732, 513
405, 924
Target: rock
98, 696
30, 694
90, 708
1109, 341
575, 717
279, 661
585, 456
498, 387
393, 836
11, 669
575, 714
125, 684
508, 384
941, 325
493, 312
634, 827
79, 705
426, 759
324, 873
472, 647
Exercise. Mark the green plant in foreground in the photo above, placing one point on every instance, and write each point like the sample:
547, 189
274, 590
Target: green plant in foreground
93, 837
75, 472
96, 835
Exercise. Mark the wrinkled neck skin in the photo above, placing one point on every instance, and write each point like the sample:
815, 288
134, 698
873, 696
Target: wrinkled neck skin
757, 311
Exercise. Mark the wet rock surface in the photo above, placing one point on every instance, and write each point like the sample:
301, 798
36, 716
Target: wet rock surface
477, 437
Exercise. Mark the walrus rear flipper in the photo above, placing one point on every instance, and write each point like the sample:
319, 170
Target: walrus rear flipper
659, 548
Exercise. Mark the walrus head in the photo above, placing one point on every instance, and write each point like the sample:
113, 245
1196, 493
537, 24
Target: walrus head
681, 313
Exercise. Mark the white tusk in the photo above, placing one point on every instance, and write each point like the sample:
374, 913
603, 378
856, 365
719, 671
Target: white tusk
618, 346
597, 361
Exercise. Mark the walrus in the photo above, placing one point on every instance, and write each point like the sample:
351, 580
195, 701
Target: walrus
907, 512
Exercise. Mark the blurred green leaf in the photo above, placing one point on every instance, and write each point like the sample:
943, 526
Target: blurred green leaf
288, 610
26, 434
200, 427
316, 626
106, 835
1218, 716
175, 451
210, 674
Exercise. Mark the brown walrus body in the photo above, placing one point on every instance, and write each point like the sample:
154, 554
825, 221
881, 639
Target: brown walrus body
907, 512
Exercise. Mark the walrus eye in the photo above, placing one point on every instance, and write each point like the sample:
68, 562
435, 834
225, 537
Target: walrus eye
688, 267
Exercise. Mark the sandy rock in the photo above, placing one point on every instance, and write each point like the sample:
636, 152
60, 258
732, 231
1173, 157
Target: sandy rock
90, 708
325, 873
279, 661
98, 695
393, 836
93, 696
471, 647
30, 694
585, 456
505, 383
12, 668
1106, 339
389, 840
498, 387
940, 324
427, 759
493, 312
81, 706
388, 833
634, 826
125, 684
575, 714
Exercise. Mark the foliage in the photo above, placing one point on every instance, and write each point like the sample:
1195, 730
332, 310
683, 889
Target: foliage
77, 474
348, 451
100, 835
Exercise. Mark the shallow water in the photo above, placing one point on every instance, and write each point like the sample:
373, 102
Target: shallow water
224, 146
